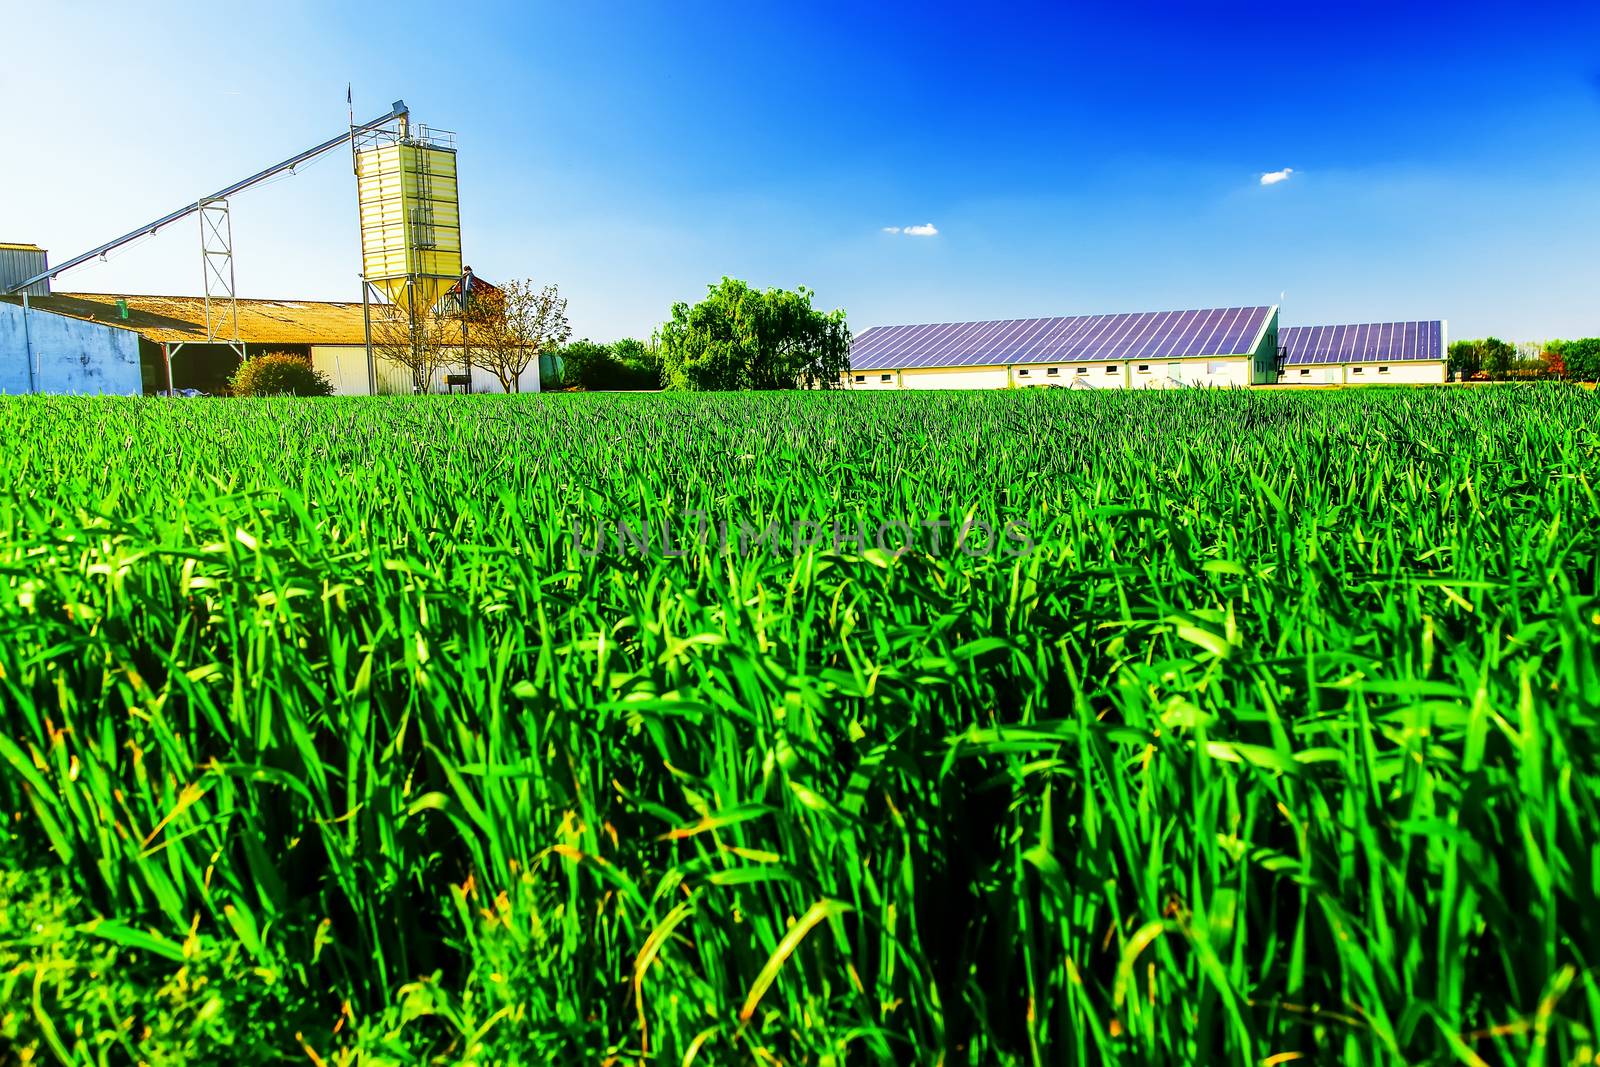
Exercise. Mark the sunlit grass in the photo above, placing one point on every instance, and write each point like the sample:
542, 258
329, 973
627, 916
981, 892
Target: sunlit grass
1282, 740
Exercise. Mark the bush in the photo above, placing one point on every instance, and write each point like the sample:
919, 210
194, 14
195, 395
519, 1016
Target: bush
279, 374
627, 364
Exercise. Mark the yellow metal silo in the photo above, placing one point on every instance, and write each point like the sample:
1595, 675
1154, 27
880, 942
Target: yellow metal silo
410, 216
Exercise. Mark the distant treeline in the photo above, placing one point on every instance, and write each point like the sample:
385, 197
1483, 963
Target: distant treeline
1497, 360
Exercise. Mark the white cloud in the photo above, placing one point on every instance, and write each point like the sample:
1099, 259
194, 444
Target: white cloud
1273, 177
927, 229
891, 229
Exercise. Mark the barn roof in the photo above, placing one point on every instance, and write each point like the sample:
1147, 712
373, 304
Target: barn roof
1363, 343
1087, 338
183, 318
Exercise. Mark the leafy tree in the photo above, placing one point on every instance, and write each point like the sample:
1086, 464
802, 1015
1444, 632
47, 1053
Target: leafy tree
509, 326
1582, 358
1498, 356
586, 363
1555, 361
417, 337
1465, 358
642, 360
624, 364
743, 338
279, 374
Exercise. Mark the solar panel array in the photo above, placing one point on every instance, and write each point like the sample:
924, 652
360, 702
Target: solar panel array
1077, 338
1369, 342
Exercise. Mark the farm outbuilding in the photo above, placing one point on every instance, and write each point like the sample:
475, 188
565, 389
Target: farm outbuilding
1373, 353
21, 260
46, 353
1152, 350
174, 347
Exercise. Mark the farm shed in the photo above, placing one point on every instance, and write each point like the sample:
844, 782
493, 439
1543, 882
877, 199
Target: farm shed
1373, 353
42, 352
1150, 350
19, 261
171, 332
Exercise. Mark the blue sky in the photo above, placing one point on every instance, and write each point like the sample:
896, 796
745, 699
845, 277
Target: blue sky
1073, 158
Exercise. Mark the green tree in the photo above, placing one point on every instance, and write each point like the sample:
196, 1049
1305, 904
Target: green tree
641, 359
624, 364
586, 363
1465, 358
744, 338
1498, 356
1582, 358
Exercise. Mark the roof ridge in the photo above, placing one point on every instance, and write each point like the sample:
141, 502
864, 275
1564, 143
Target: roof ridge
1086, 315
171, 296
1370, 322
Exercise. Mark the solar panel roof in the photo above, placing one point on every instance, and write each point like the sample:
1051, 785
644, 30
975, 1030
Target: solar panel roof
1077, 338
1397, 341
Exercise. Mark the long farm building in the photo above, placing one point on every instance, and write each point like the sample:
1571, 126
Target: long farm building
1221, 347
1374, 353
1157, 349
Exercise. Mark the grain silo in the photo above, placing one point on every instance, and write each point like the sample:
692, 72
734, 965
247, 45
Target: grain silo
410, 214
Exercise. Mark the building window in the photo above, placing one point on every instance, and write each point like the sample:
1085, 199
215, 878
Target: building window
1144, 368
1111, 370
861, 377
1022, 373
1305, 372
1052, 370
1383, 370
1355, 370
1083, 370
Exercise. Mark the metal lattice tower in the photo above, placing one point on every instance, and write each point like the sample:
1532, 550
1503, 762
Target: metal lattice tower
216, 257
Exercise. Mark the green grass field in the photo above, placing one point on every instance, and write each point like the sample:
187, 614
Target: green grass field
325, 740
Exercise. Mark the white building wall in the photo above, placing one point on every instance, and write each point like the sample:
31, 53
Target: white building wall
1098, 375
1223, 372
346, 368
1399, 372
1066, 375
965, 378
1312, 374
873, 379
1042, 374
69, 355
1142, 374
1402, 372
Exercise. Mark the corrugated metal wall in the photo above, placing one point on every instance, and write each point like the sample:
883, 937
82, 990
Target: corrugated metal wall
19, 261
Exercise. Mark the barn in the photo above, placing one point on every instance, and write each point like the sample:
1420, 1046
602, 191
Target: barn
1154, 350
106, 343
1372, 353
